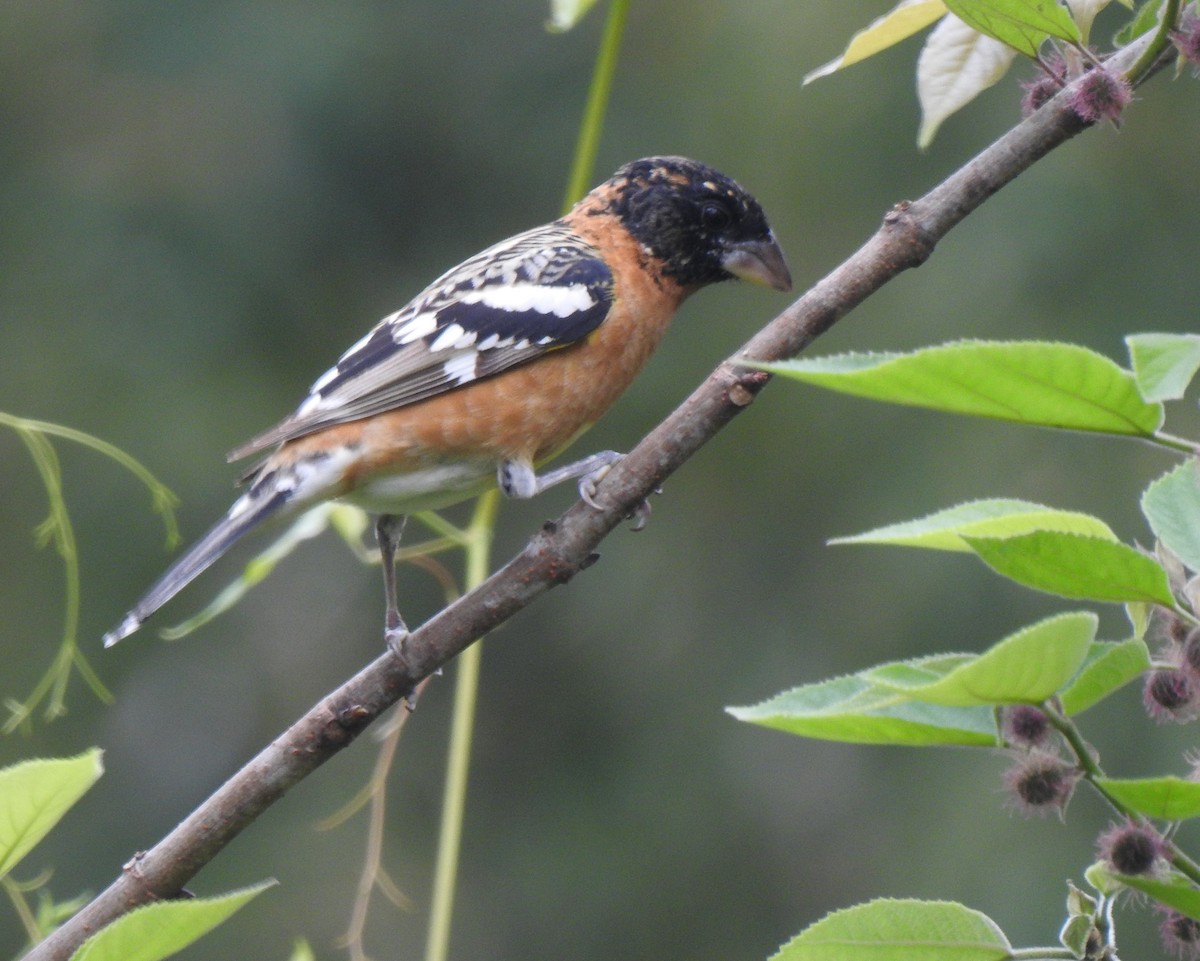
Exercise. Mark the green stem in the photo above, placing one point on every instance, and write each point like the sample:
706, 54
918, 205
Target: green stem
588, 144
1161, 40
21, 906
1079, 747
1181, 444
1091, 771
466, 691
479, 535
1184, 864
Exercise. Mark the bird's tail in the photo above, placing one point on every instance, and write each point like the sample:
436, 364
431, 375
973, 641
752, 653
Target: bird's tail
247, 512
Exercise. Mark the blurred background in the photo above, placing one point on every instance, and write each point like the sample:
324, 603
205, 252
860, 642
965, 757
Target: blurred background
203, 203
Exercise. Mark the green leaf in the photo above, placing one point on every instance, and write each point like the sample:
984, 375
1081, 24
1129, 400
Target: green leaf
159, 930
1076, 933
1138, 613
1164, 364
34, 795
1143, 21
945, 529
1075, 566
856, 710
1045, 384
1175, 891
1021, 24
1172, 508
1026, 667
1107, 667
899, 23
1166, 798
900, 930
565, 14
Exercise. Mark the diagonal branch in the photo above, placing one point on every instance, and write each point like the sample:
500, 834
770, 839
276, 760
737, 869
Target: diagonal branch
565, 547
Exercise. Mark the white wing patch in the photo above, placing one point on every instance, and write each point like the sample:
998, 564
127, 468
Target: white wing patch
422, 325
559, 301
452, 337
460, 368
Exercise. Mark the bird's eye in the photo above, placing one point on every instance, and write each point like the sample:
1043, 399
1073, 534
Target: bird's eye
715, 216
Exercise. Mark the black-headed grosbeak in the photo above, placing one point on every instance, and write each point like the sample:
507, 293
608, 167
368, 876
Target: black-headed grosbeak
498, 364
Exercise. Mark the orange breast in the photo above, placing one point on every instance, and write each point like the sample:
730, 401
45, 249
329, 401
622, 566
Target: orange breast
528, 412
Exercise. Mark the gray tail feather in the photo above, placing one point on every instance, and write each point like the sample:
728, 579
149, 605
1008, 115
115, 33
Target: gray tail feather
250, 510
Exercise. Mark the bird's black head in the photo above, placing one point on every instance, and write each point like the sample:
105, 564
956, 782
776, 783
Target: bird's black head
702, 225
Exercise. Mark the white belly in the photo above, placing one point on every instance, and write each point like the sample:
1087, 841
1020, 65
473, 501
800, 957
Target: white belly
429, 488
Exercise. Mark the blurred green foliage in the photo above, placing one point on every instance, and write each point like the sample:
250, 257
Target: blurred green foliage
204, 203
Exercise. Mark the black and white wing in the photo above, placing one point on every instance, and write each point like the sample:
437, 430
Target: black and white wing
537, 291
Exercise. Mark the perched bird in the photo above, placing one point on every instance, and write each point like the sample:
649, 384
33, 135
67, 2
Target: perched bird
498, 364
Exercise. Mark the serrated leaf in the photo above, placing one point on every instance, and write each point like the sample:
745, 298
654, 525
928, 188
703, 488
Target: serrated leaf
956, 64
1164, 364
998, 517
1175, 891
855, 710
565, 14
899, 23
1026, 667
1107, 667
1028, 382
34, 795
1166, 798
1172, 508
1021, 24
1077, 567
164, 928
900, 930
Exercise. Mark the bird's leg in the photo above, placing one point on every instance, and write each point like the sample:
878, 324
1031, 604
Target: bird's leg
388, 530
518, 479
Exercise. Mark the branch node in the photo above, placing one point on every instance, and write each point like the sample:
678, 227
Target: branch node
749, 382
354, 717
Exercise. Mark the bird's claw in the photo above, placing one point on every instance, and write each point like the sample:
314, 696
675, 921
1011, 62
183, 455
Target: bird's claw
587, 492
640, 514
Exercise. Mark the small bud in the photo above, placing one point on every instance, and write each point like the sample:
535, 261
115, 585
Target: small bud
1025, 725
1169, 695
1040, 783
1190, 656
1037, 93
1132, 848
1180, 934
1044, 86
1100, 95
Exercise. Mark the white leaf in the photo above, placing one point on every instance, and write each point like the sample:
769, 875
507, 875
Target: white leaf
956, 64
1083, 12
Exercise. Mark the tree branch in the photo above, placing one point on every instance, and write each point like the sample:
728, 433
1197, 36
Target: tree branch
564, 547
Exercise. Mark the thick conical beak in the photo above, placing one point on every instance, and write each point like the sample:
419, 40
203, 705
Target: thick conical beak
760, 262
